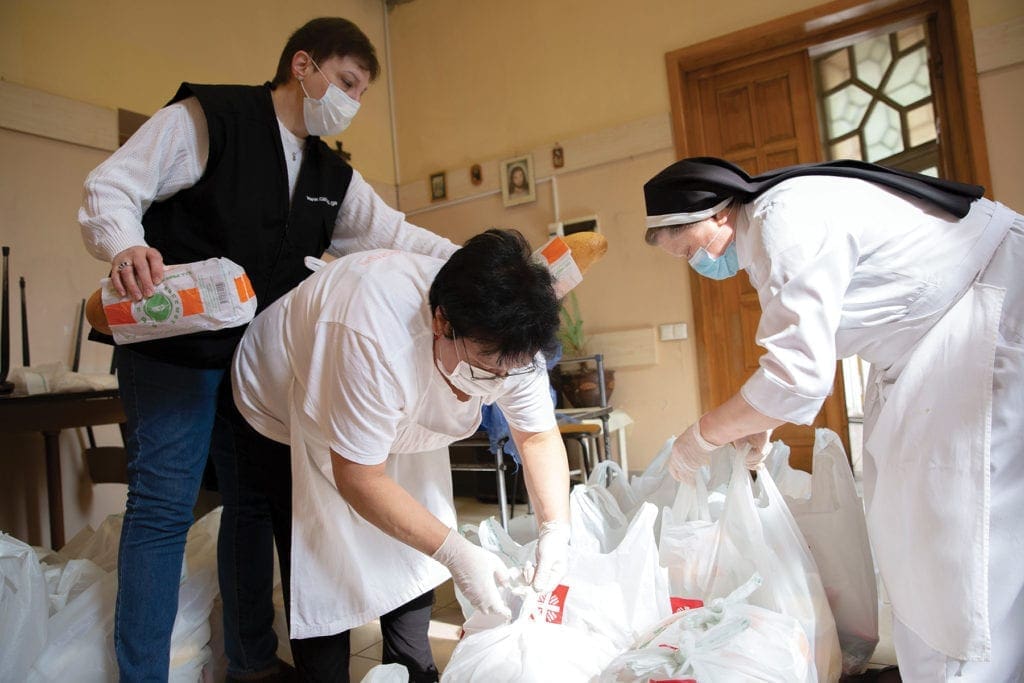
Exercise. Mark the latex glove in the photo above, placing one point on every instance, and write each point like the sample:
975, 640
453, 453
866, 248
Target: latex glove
476, 572
552, 556
759, 448
690, 452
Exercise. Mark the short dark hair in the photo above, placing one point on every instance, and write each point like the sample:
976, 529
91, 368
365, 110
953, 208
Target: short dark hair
493, 293
324, 38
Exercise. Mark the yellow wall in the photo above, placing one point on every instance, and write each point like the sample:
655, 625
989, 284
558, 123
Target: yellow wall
489, 78
133, 55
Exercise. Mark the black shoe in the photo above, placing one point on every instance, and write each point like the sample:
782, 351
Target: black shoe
283, 672
889, 674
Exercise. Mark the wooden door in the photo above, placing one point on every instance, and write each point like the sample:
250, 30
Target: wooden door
760, 117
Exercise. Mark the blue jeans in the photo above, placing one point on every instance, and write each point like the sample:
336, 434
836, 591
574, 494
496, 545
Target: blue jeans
176, 417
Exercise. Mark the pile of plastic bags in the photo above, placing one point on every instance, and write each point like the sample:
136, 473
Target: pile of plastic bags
57, 608
714, 581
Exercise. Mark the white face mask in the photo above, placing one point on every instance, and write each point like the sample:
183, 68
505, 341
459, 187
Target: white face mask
332, 113
462, 379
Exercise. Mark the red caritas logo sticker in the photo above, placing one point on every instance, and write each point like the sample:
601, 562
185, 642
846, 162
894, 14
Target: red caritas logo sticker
683, 604
551, 605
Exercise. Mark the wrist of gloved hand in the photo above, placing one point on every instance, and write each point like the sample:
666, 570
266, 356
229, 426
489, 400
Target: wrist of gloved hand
690, 452
476, 572
759, 447
552, 555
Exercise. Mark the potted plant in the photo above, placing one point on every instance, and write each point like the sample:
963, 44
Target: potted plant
577, 383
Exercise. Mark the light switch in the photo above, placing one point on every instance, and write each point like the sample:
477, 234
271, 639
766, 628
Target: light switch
672, 331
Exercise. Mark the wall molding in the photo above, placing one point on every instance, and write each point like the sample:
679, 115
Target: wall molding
35, 112
999, 45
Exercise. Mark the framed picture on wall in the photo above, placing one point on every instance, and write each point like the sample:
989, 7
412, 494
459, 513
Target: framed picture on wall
517, 182
438, 187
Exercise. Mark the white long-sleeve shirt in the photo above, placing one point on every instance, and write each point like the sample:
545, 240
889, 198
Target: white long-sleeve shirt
843, 266
169, 154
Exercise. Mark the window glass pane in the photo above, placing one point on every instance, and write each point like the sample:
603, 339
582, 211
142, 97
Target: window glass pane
909, 37
909, 82
921, 124
834, 69
845, 109
873, 58
847, 148
883, 132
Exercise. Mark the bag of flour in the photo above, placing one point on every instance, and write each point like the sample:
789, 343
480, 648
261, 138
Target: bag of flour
192, 297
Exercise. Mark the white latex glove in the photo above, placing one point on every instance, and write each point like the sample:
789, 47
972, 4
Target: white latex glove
689, 453
476, 572
759, 448
552, 555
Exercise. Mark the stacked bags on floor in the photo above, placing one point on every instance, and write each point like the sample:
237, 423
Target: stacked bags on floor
830, 515
708, 582
57, 608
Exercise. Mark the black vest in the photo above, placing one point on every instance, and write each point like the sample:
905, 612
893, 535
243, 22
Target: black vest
239, 209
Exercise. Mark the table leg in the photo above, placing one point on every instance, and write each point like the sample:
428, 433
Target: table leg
54, 492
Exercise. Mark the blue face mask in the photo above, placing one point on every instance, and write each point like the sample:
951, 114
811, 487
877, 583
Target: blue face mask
725, 266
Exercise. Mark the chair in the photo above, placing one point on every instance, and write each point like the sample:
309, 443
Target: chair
586, 434
480, 440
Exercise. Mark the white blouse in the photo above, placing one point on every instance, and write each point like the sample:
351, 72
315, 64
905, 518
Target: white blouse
353, 345
843, 266
169, 153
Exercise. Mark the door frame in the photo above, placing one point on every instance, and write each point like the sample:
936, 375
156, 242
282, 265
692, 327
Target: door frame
963, 157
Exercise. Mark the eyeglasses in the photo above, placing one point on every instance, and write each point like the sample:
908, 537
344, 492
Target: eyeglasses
480, 373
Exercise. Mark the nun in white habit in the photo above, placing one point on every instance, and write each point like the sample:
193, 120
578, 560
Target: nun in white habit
920, 277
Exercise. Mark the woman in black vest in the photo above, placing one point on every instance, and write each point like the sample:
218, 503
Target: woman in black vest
236, 172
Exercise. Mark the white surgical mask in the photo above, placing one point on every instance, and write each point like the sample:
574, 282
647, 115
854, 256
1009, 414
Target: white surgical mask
462, 379
716, 267
332, 113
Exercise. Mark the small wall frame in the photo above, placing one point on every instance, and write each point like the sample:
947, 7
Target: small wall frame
518, 185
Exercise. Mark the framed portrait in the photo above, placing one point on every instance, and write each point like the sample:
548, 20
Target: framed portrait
438, 187
517, 181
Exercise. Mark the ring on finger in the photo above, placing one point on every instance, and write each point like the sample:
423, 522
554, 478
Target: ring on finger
124, 264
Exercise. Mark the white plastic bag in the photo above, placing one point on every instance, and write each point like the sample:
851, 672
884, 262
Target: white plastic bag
832, 520
727, 640
620, 593
615, 595
23, 608
192, 297
688, 545
656, 484
66, 581
387, 673
609, 475
793, 483
79, 645
760, 535
528, 650
597, 523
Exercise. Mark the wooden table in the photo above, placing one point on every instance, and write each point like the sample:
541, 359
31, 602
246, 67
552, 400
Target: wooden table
49, 414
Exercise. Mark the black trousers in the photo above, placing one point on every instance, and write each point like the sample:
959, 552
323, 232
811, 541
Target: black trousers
266, 468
